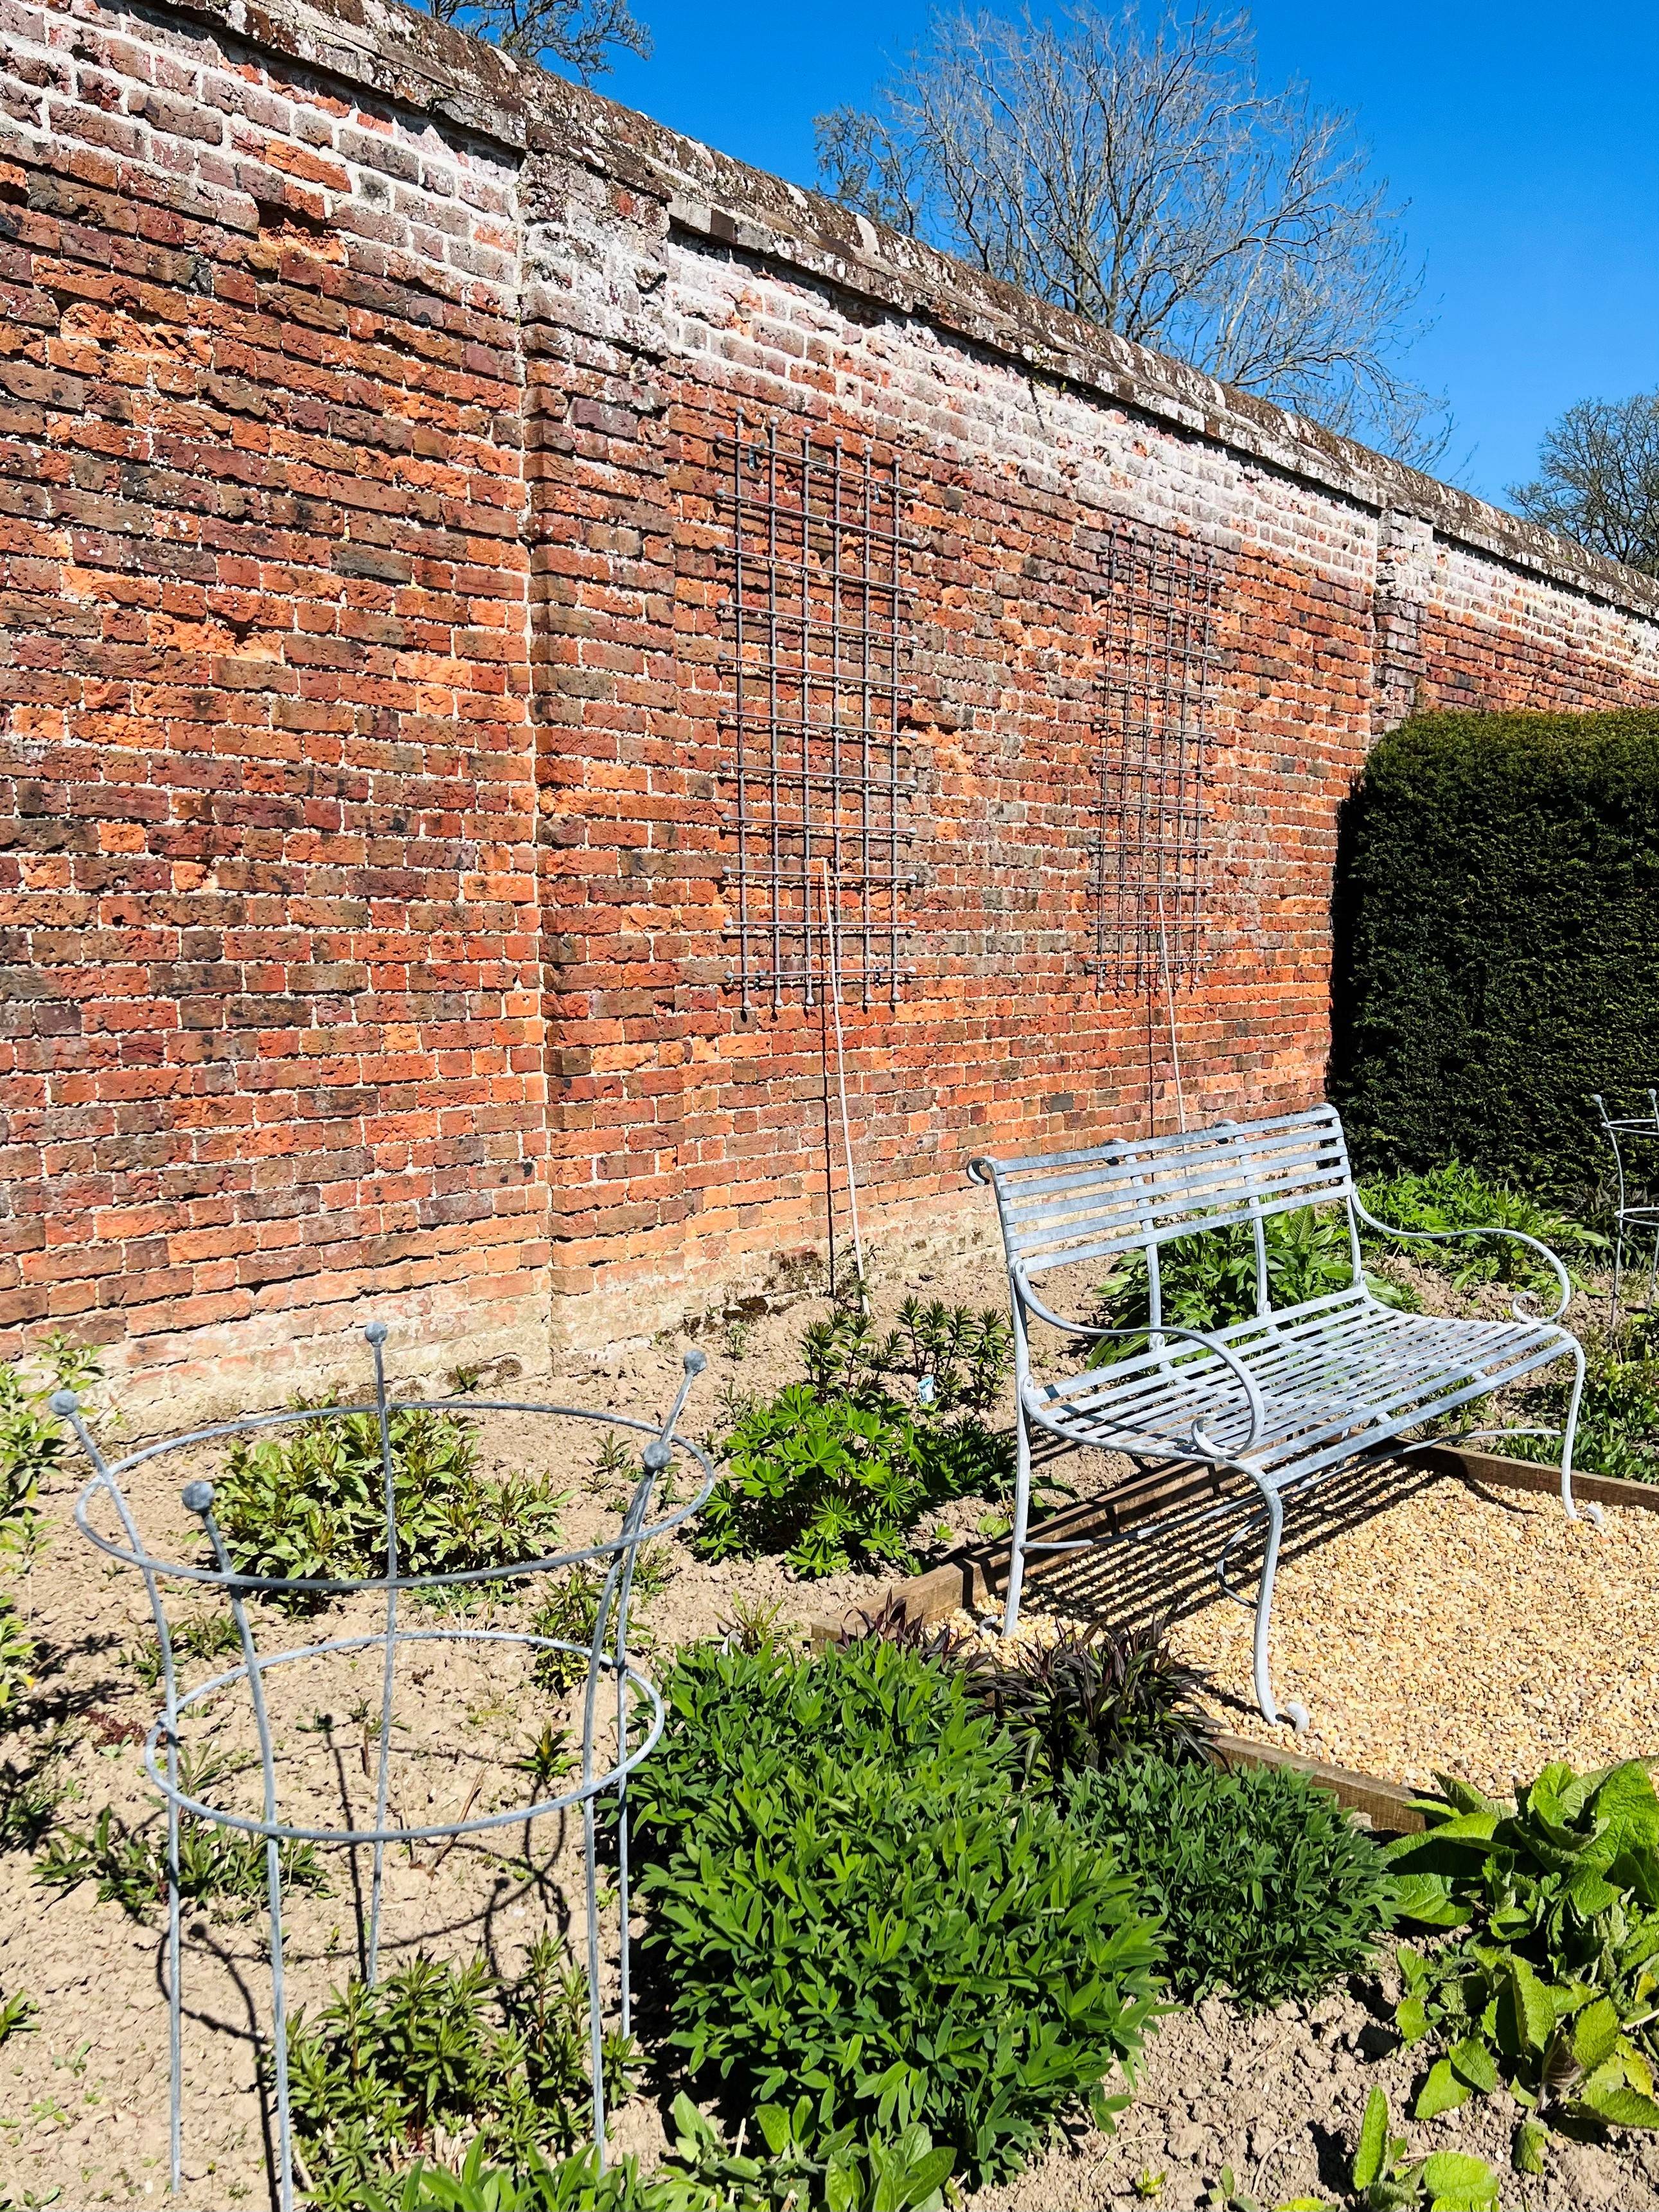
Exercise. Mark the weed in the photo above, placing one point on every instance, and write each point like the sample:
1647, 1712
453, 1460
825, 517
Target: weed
439, 2046
17, 2014
845, 1890
1550, 1982
197, 1636
222, 1868
1267, 1888
753, 1625
29, 1797
548, 1760
311, 1503
1096, 1694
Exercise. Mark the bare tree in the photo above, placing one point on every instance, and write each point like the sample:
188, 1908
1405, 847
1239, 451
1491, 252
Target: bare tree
1598, 479
1143, 179
579, 34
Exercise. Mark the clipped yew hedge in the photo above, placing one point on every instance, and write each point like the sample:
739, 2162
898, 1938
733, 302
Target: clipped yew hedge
1496, 916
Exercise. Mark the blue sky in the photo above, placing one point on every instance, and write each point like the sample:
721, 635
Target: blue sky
1524, 136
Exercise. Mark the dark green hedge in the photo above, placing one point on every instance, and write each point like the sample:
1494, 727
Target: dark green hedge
1496, 922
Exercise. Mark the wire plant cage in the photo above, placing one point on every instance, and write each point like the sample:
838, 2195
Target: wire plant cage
816, 624
621, 1712
1151, 877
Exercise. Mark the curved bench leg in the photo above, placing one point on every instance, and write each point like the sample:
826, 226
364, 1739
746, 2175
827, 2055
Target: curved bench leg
1296, 1715
1022, 1514
1575, 1512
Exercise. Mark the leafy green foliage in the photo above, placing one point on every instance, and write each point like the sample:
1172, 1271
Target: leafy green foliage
1618, 1432
17, 2014
702, 2173
30, 1794
33, 1442
208, 1635
1497, 941
1267, 1889
310, 1502
1095, 1694
569, 1610
1385, 2179
850, 1904
836, 1472
1549, 1983
436, 2045
1456, 1197
222, 1868
1207, 1281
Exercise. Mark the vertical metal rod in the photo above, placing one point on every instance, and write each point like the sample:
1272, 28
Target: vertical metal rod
807, 711
824, 1051
892, 785
836, 667
742, 734
198, 1498
375, 1332
866, 578
772, 697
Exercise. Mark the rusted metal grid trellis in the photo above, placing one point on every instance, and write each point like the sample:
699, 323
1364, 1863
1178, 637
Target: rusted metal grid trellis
814, 621
1152, 862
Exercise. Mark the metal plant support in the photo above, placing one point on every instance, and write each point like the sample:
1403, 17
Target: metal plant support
606, 1655
1624, 1133
1152, 866
815, 649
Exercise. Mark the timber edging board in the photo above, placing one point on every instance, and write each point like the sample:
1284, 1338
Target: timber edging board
971, 1577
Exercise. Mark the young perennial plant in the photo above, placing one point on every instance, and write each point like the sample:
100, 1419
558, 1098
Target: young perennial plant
1549, 1983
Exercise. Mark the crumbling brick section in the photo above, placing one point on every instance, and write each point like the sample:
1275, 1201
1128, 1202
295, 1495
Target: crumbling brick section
367, 678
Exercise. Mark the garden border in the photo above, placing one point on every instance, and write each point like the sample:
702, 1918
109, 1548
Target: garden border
971, 1578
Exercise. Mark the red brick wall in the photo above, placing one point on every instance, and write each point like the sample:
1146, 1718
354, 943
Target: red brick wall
364, 908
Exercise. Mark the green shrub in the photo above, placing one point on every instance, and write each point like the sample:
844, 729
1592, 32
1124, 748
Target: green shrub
1267, 1889
700, 2175
32, 1444
1093, 1695
1497, 942
1551, 1980
1618, 1430
310, 1502
436, 2045
848, 1902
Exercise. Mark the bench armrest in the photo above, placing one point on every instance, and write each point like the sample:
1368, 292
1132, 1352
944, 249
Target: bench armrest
1094, 1331
1518, 1305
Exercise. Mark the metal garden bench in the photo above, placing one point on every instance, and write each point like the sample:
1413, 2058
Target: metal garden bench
1285, 1397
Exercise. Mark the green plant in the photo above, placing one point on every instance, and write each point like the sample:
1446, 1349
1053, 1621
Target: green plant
1617, 1431
30, 1795
1267, 1889
1207, 1281
311, 1502
701, 2173
1457, 1197
1386, 2180
849, 1903
1497, 941
1550, 1983
17, 2014
570, 1611
220, 1868
753, 1625
439, 2046
830, 1484
1095, 1694
197, 1636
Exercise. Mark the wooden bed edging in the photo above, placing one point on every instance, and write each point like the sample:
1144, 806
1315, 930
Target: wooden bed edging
974, 1576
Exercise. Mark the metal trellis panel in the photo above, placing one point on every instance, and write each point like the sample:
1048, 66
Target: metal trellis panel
1151, 863
815, 644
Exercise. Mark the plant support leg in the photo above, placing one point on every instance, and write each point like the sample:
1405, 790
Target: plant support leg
1295, 1714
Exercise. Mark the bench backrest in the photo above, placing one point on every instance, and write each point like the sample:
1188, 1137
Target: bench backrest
1142, 1192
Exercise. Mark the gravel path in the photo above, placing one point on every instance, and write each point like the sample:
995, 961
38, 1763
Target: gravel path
1462, 1627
